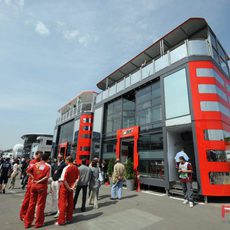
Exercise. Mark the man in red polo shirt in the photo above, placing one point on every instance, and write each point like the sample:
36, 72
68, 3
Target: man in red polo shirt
68, 182
25, 203
39, 173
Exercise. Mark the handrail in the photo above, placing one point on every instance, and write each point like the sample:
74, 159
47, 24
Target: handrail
187, 48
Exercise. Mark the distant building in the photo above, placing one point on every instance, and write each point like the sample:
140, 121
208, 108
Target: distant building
73, 130
29, 139
43, 143
18, 150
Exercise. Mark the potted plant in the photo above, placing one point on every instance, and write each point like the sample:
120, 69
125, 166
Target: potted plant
110, 168
129, 175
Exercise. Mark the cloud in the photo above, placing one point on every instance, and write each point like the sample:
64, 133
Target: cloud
71, 34
41, 28
76, 35
84, 40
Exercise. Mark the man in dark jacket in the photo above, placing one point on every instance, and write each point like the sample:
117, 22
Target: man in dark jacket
4, 174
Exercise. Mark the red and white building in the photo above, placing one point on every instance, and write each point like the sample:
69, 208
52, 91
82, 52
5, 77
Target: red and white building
73, 130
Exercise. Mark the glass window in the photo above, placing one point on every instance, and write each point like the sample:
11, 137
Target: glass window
67, 132
224, 66
156, 113
49, 142
213, 41
198, 47
205, 72
219, 78
210, 88
151, 168
228, 87
209, 106
84, 148
128, 117
214, 135
221, 51
216, 155
87, 136
144, 116
156, 90
86, 120
151, 142
176, 95
219, 178
207, 88
151, 158
215, 56
113, 117
178, 53
143, 95
221, 94
109, 149
86, 128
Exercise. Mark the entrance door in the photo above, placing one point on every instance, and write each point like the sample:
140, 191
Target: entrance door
127, 147
178, 137
127, 144
63, 149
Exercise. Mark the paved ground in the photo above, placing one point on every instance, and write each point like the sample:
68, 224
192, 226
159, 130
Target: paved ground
136, 211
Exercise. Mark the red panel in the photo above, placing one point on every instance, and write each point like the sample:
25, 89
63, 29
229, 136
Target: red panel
129, 132
209, 120
84, 142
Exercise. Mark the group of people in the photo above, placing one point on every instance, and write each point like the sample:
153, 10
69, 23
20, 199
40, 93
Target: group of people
66, 180
9, 168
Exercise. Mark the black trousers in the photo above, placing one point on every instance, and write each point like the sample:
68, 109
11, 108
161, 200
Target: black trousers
84, 194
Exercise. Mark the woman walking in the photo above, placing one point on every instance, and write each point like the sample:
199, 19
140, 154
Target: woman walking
14, 174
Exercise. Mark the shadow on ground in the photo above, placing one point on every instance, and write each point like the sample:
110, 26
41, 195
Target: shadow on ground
77, 218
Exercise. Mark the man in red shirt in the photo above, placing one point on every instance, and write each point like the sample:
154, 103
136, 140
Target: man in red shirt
25, 203
68, 182
39, 173
185, 175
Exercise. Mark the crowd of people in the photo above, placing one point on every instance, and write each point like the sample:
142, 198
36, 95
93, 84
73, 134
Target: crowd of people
63, 179
66, 179
10, 169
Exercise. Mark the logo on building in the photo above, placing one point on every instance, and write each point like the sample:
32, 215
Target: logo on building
127, 131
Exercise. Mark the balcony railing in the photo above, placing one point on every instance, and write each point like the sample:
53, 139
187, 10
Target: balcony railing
72, 113
187, 48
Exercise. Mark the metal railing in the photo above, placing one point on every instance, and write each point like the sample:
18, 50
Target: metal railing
72, 113
187, 48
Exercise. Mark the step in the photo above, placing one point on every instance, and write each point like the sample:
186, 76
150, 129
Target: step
176, 191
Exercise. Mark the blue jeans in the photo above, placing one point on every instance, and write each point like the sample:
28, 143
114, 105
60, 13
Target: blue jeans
116, 190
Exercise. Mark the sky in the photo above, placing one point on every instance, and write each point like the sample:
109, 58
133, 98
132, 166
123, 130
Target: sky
51, 50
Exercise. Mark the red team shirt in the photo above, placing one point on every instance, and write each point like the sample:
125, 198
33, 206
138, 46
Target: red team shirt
39, 171
31, 164
70, 174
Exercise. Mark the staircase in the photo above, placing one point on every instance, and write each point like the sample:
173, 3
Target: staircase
176, 189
